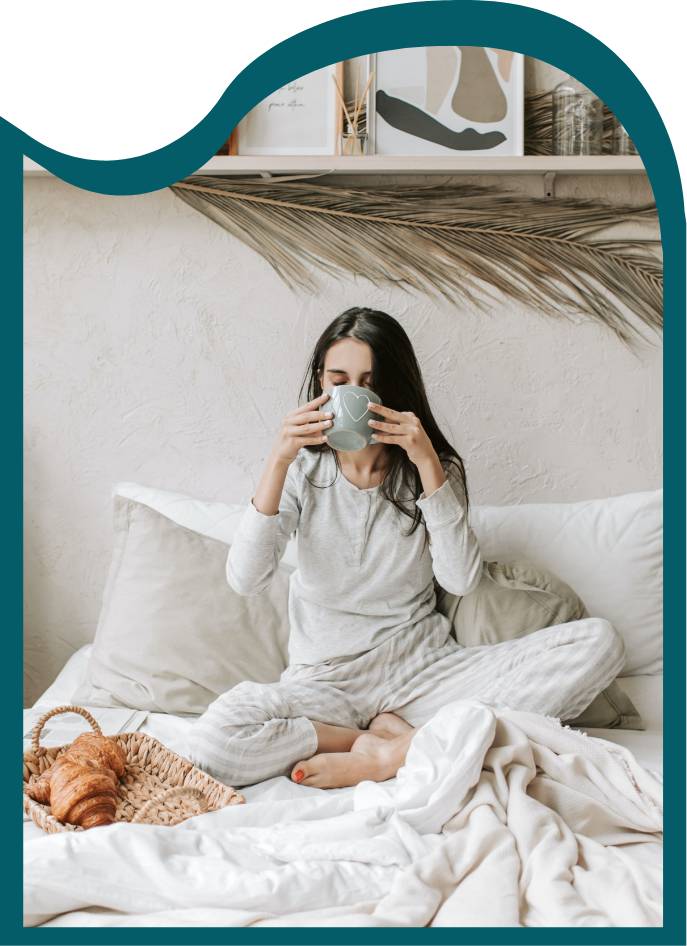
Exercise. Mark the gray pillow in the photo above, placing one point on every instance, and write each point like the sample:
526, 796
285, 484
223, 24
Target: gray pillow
172, 634
514, 599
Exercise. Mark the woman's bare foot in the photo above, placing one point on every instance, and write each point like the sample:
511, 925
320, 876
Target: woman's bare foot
334, 738
389, 725
371, 757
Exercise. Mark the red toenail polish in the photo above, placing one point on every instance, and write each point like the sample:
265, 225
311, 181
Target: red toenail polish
299, 776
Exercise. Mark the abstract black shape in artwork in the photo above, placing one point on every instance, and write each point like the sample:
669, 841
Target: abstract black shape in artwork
415, 122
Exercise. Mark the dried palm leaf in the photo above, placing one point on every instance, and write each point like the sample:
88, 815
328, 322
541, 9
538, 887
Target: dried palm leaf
537, 123
452, 240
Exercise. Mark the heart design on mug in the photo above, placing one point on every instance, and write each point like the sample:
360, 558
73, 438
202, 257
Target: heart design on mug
357, 405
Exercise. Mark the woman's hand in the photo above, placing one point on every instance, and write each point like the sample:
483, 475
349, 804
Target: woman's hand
301, 427
404, 429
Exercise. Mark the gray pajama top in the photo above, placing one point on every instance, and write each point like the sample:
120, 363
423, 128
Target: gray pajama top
360, 579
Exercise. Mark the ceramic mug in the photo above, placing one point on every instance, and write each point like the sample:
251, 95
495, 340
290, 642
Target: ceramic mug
350, 429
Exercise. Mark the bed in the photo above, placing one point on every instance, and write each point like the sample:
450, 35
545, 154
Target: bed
498, 818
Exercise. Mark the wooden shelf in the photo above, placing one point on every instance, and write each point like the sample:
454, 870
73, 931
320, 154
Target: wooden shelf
421, 164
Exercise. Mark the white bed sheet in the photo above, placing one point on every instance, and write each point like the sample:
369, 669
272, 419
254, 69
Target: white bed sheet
329, 887
431, 847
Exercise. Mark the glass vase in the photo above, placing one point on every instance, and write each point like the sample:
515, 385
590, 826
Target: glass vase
353, 141
577, 119
622, 143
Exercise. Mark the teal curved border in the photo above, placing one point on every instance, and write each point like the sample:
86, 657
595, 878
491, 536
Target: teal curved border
543, 35
484, 22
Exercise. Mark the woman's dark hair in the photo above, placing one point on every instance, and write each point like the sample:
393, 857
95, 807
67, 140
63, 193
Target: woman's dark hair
397, 379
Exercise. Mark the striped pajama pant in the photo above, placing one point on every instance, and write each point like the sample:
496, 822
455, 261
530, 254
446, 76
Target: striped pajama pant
258, 730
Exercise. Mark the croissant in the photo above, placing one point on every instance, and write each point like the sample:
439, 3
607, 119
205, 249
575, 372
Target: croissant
81, 785
94, 747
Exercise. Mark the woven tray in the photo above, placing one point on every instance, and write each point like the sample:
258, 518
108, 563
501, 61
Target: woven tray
159, 786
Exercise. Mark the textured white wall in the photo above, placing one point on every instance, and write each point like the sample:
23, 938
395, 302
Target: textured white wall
161, 350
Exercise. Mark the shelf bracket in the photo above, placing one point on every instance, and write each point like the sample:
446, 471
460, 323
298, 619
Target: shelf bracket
267, 174
550, 184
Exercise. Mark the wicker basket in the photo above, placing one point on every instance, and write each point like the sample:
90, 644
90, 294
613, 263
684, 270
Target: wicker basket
150, 792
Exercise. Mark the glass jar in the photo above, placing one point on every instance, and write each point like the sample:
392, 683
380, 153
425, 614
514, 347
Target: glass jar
622, 143
577, 120
353, 141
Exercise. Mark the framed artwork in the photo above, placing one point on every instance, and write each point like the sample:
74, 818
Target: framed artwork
301, 117
447, 100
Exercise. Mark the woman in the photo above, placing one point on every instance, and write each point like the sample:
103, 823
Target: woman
370, 657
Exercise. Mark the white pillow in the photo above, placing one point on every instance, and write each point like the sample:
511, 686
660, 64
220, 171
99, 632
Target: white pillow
172, 635
68, 680
218, 520
609, 550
